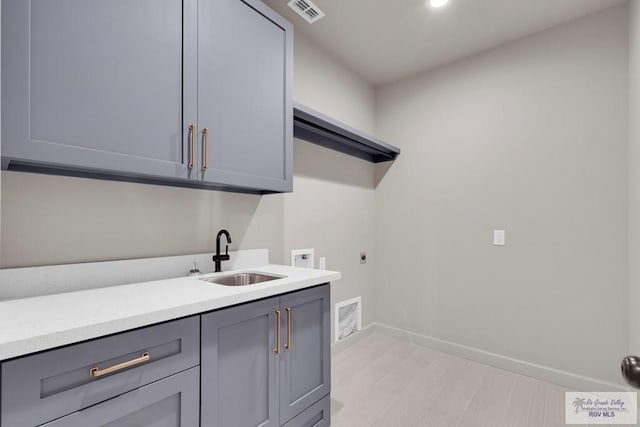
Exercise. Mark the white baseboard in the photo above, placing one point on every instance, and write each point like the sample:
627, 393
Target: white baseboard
555, 376
343, 344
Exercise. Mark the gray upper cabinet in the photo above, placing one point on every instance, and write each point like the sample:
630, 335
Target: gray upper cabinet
244, 95
126, 89
94, 84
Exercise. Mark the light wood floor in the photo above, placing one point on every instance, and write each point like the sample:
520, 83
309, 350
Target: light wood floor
386, 382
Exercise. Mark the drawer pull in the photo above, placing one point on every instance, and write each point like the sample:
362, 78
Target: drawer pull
97, 372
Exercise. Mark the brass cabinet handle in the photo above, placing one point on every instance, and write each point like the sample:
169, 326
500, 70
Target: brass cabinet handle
288, 344
205, 149
277, 349
96, 372
192, 154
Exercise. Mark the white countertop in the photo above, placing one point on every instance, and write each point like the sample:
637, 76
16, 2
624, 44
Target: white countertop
34, 324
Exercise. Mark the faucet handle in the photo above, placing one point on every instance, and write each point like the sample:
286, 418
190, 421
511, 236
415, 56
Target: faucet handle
226, 250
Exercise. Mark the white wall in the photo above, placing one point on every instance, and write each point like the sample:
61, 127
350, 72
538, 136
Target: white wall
326, 85
331, 207
57, 220
529, 137
634, 178
331, 210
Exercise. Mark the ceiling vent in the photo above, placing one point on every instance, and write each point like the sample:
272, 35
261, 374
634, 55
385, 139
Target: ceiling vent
305, 8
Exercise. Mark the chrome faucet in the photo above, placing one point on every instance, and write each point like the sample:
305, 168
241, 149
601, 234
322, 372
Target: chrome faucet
217, 258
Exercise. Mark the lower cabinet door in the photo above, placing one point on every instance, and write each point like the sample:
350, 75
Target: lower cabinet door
171, 402
305, 367
239, 385
317, 415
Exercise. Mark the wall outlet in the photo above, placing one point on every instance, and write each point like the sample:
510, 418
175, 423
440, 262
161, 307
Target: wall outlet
322, 263
499, 237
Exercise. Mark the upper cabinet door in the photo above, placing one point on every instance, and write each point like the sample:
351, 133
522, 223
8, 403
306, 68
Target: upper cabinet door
95, 84
244, 95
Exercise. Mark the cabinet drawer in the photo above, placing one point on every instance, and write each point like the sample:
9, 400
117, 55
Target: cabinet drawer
171, 402
48, 385
316, 415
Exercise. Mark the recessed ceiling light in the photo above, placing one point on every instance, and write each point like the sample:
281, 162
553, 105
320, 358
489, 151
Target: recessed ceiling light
438, 3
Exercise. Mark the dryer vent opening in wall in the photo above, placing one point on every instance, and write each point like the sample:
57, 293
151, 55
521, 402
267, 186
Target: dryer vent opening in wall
348, 318
305, 8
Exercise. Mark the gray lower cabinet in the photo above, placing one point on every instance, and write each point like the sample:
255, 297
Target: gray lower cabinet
48, 385
185, 92
305, 360
264, 363
317, 415
170, 402
239, 385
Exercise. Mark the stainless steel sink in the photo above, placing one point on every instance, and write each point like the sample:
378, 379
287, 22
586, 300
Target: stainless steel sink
242, 279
